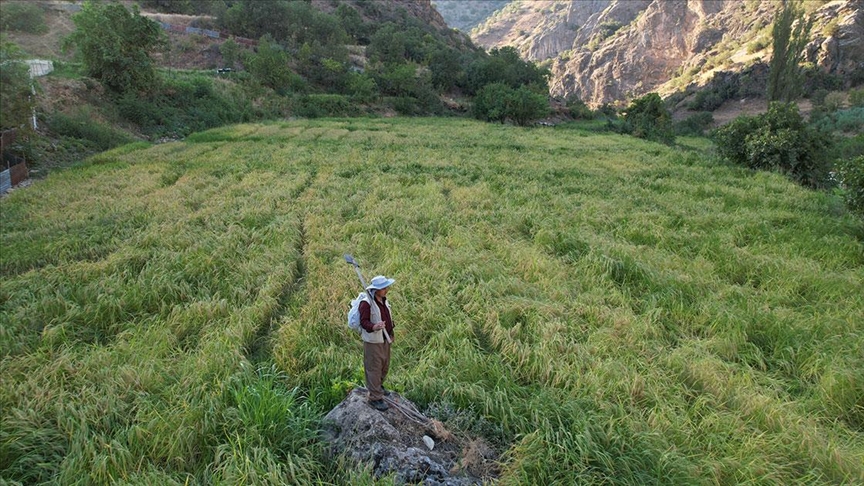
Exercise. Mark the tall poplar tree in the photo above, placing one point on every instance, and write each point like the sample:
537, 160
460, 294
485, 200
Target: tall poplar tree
790, 33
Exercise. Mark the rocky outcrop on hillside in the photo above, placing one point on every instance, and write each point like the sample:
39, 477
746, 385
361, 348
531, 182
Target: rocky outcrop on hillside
838, 47
613, 50
403, 442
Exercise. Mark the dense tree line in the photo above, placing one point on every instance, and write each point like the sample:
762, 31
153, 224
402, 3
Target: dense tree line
305, 51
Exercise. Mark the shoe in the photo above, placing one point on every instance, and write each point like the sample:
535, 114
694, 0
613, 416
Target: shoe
386, 392
379, 405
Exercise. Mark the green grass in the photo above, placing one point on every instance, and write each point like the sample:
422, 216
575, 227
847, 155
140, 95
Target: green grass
605, 310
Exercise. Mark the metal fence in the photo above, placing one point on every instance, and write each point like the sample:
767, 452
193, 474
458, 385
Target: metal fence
215, 34
13, 176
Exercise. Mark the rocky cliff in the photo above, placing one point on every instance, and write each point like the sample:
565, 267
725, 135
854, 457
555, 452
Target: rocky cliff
612, 50
465, 15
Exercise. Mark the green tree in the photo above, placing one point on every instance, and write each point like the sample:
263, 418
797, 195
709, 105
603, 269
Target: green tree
397, 79
292, 23
230, 51
270, 67
352, 22
527, 106
446, 67
505, 66
362, 88
114, 45
790, 34
15, 103
498, 102
647, 117
388, 45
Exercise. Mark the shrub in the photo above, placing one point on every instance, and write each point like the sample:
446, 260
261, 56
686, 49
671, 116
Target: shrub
721, 88
851, 172
608, 29
856, 98
270, 67
817, 97
321, 105
81, 126
362, 88
777, 140
505, 66
847, 121
607, 111
758, 45
396, 79
405, 105
352, 22
850, 147
499, 102
527, 106
294, 23
578, 109
647, 117
490, 103
815, 78
833, 101
15, 104
22, 17
230, 51
695, 124
185, 105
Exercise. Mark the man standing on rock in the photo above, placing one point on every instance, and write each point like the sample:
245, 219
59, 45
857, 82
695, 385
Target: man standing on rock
376, 321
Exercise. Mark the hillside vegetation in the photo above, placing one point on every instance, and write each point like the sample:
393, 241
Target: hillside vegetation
602, 309
134, 78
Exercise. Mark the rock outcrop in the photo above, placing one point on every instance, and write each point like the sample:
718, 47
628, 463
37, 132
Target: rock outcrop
613, 50
838, 47
398, 441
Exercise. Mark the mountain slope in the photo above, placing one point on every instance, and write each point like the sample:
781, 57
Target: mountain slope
611, 50
463, 15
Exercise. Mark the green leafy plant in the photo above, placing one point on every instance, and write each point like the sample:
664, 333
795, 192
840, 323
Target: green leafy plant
851, 172
270, 67
647, 117
856, 98
849, 121
22, 17
115, 44
790, 33
696, 124
15, 100
498, 102
80, 125
578, 109
777, 140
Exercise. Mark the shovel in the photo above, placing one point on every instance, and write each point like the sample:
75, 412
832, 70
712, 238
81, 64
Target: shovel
350, 259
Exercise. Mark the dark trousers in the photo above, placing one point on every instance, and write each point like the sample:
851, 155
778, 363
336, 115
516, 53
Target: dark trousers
376, 363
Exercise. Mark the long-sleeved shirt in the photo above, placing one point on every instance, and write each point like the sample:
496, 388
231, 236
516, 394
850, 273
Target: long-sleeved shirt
365, 312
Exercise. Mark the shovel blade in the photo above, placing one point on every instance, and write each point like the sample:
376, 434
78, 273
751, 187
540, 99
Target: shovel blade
350, 259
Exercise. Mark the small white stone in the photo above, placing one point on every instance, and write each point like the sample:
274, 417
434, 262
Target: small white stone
429, 442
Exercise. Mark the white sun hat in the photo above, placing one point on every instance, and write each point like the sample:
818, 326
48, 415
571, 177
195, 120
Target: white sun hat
380, 282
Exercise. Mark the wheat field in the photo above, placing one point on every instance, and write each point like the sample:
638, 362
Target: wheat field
602, 309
